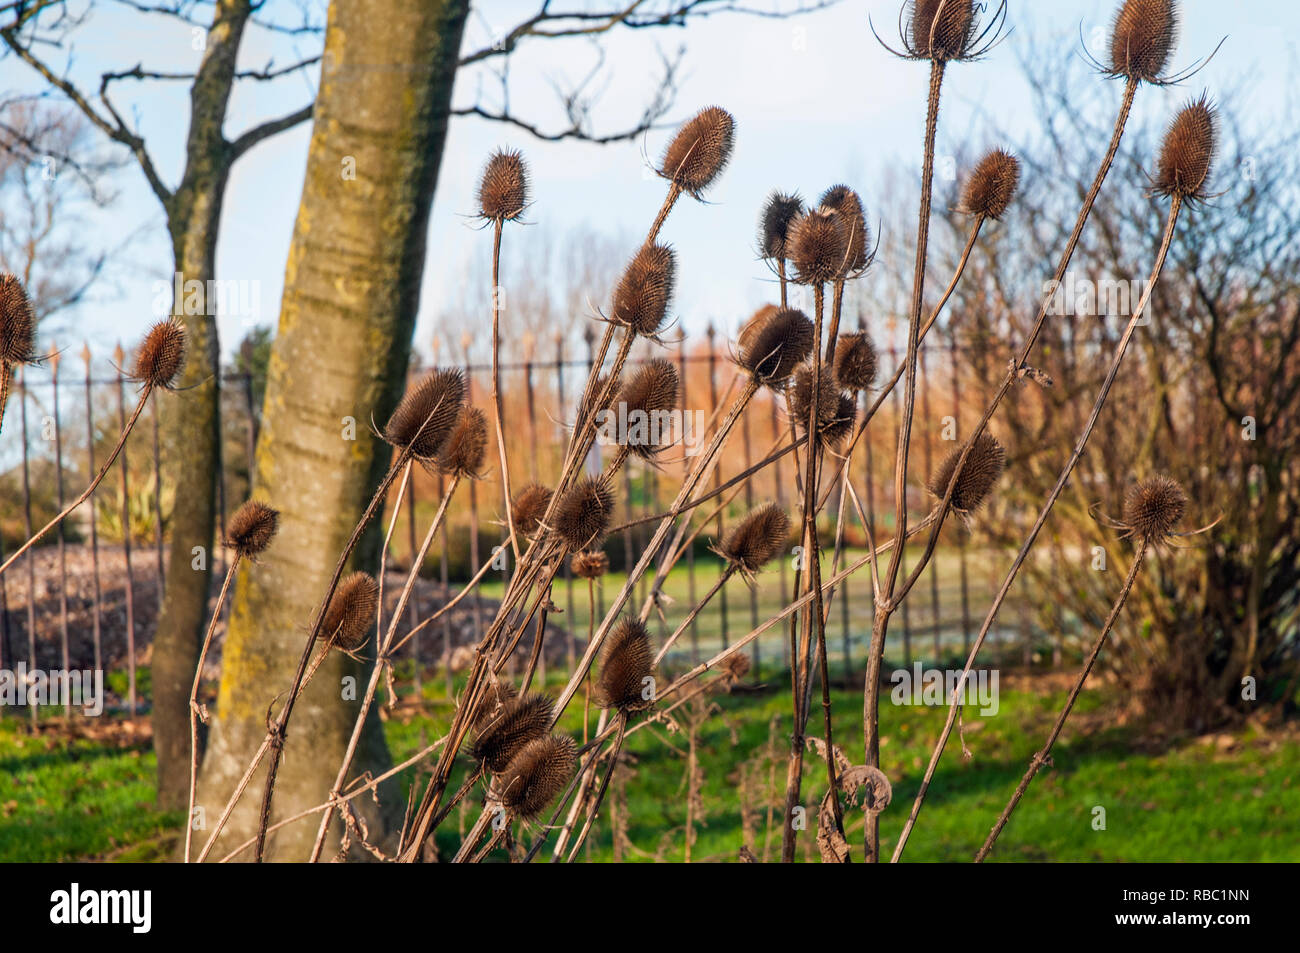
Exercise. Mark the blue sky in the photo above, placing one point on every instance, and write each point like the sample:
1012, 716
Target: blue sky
817, 101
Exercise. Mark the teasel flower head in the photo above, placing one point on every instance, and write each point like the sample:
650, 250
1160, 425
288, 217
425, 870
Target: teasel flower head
856, 361
626, 666
496, 696
644, 292
17, 322
1142, 37
536, 775
819, 247
590, 564
1187, 153
779, 212
520, 720
426, 414
992, 185
161, 356
700, 150
503, 190
752, 325
847, 205
947, 30
756, 539
351, 612
983, 468
461, 454
771, 350
1153, 507
582, 515
251, 529
835, 411
529, 506
650, 392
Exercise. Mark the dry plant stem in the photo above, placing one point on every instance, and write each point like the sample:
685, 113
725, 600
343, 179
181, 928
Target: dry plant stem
381, 660
275, 734
477, 831
194, 701
538, 638
615, 750
496, 383
1052, 497
1041, 757
451, 603
586, 774
388, 538
880, 622
6, 379
85, 494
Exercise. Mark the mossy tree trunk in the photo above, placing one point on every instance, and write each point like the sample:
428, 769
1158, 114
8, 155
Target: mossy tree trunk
350, 297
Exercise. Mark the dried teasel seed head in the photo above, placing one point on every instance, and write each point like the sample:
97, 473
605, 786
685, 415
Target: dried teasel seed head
735, 666
941, 29
537, 775
461, 454
758, 537
17, 322
591, 564
992, 185
503, 190
856, 361
649, 394
427, 412
502, 737
251, 528
594, 400
1187, 152
700, 150
835, 411
496, 697
529, 506
779, 211
1142, 38
626, 661
582, 515
162, 355
818, 247
847, 204
983, 468
645, 290
773, 349
752, 325
1153, 507
351, 611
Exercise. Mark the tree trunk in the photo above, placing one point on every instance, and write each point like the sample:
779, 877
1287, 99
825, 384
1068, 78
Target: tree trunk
350, 297
191, 418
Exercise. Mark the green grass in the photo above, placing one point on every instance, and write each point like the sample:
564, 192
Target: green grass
64, 799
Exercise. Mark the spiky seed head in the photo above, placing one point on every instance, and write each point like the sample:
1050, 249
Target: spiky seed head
17, 322
1153, 507
461, 454
835, 411
650, 392
161, 356
251, 528
992, 185
818, 247
582, 515
538, 773
753, 541
427, 412
496, 696
752, 325
503, 190
1142, 38
351, 611
700, 150
983, 468
529, 507
591, 564
594, 400
1187, 152
855, 361
847, 204
644, 292
773, 349
520, 721
626, 661
941, 29
779, 211
735, 666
